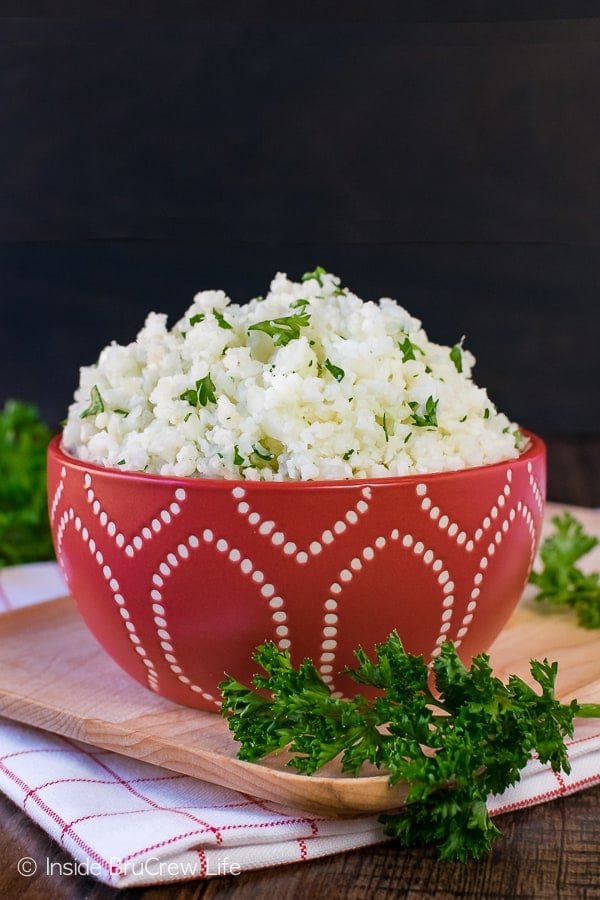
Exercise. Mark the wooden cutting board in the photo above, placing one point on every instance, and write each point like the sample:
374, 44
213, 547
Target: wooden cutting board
53, 675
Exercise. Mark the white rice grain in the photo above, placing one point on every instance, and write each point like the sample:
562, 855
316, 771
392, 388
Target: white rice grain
328, 387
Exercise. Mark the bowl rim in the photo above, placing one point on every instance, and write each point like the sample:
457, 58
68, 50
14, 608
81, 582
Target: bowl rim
535, 448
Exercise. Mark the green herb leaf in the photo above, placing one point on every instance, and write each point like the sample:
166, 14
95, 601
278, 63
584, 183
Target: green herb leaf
453, 745
409, 349
222, 321
284, 329
382, 420
195, 319
96, 404
337, 373
560, 581
24, 527
191, 395
206, 390
428, 416
456, 355
317, 275
202, 394
262, 453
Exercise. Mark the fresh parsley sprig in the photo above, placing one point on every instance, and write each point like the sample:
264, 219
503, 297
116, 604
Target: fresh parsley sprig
453, 741
560, 581
24, 526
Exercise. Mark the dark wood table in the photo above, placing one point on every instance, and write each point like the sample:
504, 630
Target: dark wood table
549, 851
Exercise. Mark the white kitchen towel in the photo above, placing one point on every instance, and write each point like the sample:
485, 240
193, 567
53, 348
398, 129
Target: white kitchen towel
127, 823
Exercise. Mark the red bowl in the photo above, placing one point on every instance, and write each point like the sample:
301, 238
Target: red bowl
179, 579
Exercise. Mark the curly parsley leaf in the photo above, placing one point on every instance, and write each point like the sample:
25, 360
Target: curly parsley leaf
284, 329
24, 526
453, 742
560, 581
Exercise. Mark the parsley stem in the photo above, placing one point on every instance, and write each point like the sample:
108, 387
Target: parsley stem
588, 711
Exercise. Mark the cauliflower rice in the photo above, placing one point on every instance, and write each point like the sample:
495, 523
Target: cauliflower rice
310, 382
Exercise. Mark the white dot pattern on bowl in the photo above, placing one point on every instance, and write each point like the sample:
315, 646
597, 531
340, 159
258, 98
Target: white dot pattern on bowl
68, 517
486, 530
267, 590
266, 527
453, 529
355, 565
147, 532
58, 493
535, 488
524, 512
160, 608
246, 566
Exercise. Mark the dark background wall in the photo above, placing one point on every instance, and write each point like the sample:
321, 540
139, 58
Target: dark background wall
450, 159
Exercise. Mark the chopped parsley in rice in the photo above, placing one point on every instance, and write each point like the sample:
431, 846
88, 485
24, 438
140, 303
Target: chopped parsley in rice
309, 382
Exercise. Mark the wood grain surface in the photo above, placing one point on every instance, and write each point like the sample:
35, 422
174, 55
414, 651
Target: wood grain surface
53, 675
